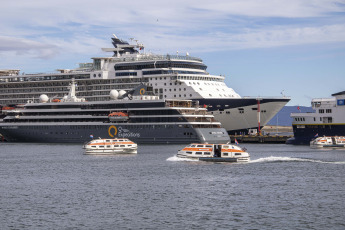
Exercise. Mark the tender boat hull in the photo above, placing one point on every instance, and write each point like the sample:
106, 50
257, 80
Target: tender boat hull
217, 159
328, 142
214, 153
110, 146
111, 152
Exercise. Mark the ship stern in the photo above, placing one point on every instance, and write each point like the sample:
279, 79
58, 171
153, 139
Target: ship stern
213, 135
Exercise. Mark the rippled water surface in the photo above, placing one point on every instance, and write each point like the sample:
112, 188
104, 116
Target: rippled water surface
50, 186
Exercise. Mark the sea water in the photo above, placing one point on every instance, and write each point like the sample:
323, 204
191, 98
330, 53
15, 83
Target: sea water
56, 186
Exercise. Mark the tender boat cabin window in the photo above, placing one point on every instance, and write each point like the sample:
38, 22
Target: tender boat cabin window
189, 152
225, 154
122, 145
198, 153
207, 153
200, 146
237, 154
209, 146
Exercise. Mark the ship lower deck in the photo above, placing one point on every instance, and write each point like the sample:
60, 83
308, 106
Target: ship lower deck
141, 134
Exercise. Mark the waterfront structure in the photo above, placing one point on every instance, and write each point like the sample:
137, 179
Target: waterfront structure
328, 119
171, 76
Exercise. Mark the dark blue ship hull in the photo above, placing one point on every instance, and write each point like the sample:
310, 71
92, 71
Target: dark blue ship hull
303, 136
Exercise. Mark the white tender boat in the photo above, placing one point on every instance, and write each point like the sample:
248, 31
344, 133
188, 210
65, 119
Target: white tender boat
215, 153
110, 146
328, 141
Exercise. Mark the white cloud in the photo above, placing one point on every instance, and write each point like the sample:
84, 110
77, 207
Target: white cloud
25, 46
274, 8
42, 28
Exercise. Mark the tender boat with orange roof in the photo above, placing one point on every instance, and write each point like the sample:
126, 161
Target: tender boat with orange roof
214, 152
328, 141
110, 146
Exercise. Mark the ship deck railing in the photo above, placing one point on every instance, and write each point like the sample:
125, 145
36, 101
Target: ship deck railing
151, 57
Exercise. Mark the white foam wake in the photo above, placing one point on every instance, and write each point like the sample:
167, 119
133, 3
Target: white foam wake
175, 158
292, 159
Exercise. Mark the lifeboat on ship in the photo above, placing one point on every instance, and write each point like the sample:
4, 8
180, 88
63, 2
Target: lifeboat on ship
328, 141
8, 108
215, 153
118, 116
110, 146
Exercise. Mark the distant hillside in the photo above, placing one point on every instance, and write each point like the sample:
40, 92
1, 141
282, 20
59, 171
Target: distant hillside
283, 115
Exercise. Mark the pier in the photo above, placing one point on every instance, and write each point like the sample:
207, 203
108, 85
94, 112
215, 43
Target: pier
269, 135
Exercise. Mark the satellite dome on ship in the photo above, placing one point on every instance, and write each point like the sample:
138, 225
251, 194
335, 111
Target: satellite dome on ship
44, 98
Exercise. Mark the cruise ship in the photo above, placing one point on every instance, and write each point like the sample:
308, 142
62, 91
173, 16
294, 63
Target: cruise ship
328, 119
136, 115
171, 76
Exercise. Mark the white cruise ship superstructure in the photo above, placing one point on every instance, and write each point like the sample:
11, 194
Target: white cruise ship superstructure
171, 76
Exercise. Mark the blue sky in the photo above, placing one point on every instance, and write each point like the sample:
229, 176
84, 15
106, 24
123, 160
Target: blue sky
263, 47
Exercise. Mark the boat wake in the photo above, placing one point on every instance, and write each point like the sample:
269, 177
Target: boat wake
175, 158
273, 159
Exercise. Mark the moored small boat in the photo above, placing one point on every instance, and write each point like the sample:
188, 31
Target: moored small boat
110, 146
328, 141
215, 153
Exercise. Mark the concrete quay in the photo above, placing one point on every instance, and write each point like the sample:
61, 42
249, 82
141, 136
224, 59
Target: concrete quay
269, 134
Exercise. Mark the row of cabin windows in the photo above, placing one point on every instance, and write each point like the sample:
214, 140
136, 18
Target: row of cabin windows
187, 134
303, 119
188, 83
109, 146
240, 110
299, 119
167, 64
154, 72
184, 89
119, 140
327, 111
209, 153
102, 127
221, 112
43, 78
184, 95
208, 146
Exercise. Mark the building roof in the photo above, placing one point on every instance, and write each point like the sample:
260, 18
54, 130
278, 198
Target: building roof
340, 93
